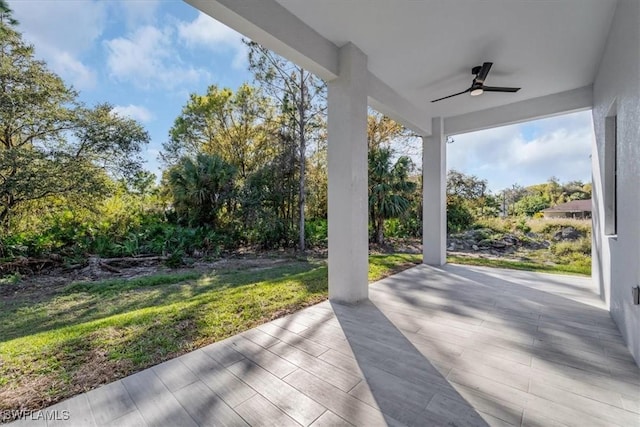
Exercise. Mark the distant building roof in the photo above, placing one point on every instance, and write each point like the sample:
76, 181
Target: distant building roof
572, 206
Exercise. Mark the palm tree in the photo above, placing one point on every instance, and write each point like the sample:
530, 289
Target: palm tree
201, 187
389, 187
6, 14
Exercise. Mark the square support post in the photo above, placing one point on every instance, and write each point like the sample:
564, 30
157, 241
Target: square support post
347, 176
434, 196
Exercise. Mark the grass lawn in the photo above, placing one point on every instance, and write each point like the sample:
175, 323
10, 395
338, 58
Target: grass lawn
521, 265
92, 333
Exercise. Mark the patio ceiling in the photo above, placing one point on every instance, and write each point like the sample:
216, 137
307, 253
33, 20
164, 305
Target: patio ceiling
421, 50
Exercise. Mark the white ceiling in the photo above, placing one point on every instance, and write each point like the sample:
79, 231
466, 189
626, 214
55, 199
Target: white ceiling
419, 50
424, 49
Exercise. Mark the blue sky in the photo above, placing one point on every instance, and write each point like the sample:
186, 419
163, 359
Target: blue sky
146, 56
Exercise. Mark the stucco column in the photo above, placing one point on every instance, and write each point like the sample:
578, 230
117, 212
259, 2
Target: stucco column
434, 198
347, 175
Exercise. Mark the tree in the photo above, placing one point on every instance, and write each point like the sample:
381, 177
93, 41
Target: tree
235, 126
50, 144
268, 201
302, 100
467, 196
6, 17
468, 187
510, 196
383, 132
200, 188
459, 216
317, 185
142, 183
530, 204
576, 190
389, 188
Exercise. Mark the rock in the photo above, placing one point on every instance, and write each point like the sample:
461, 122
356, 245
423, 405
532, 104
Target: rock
475, 235
510, 239
570, 233
475, 247
452, 247
538, 245
567, 233
485, 243
498, 244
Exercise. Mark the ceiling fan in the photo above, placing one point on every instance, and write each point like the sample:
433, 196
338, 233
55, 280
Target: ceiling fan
477, 87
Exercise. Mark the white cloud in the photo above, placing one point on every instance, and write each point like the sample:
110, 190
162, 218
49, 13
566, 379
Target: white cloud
204, 31
148, 58
40, 22
136, 112
81, 76
61, 45
138, 12
561, 147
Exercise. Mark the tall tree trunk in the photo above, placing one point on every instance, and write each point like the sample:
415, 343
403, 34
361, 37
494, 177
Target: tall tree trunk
303, 149
5, 214
380, 231
4, 220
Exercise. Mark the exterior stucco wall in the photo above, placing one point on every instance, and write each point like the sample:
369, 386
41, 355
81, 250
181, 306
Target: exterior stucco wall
616, 259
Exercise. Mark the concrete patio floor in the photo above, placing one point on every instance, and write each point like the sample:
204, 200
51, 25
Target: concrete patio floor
451, 346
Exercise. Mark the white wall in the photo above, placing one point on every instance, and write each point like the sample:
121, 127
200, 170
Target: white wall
616, 260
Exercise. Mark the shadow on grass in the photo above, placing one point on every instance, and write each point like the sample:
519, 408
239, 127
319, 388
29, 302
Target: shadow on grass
104, 299
521, 265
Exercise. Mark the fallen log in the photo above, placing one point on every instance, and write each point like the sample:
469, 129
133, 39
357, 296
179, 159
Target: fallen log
131, 260
23, 264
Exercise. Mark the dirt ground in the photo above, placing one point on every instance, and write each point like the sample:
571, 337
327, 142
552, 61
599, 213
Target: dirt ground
45, 282
42, 284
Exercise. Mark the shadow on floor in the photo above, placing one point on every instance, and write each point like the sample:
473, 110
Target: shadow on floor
400, 381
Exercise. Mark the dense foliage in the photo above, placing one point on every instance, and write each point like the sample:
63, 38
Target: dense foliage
50, 143
243, 167
301, 101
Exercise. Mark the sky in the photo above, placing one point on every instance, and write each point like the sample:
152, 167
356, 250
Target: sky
145, 57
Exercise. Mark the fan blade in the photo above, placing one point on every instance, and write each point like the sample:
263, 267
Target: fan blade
482, 74
500, 89
451, 96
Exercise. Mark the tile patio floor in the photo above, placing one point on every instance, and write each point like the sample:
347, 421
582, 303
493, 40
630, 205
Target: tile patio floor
451, 346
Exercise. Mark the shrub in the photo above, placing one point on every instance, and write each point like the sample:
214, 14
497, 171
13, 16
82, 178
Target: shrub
316, 232
175, 260
403, 227
458, 217
566, 248
530, 205
270, 232
11, 279
523, 226
551, 226
497, 225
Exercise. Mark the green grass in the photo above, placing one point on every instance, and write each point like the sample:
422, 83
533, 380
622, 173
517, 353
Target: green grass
94, 332
578, 269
